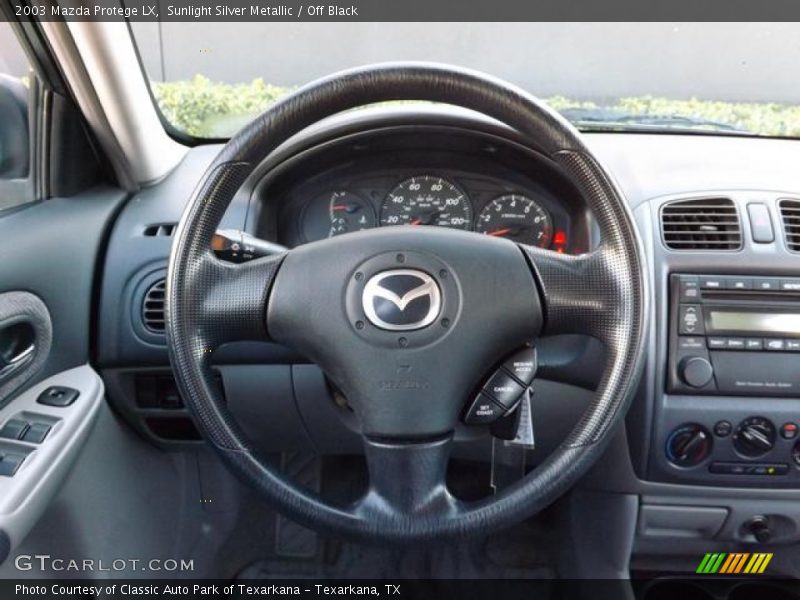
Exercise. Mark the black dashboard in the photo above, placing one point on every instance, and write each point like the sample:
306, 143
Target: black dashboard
363, 163
681, 452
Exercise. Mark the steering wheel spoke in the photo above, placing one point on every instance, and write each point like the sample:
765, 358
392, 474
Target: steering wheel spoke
228, 300
407, 480
581, 294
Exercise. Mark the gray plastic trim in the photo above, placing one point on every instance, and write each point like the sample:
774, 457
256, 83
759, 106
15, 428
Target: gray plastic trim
24, 497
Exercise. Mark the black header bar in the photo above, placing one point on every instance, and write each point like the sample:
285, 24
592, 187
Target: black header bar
405, 10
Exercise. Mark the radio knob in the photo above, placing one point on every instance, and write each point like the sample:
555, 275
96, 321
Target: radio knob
695, 371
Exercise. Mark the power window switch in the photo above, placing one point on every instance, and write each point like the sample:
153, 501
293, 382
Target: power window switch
10, 463
14, 429
36, 433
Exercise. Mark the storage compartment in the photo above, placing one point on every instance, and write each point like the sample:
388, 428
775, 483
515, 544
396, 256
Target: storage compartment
692, 522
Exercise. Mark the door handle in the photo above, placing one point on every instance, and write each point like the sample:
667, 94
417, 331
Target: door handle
26, 337
17, 347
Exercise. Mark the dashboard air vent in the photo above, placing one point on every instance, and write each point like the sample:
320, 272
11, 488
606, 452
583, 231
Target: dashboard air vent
701, 224
790, 214
160, 230
153, 307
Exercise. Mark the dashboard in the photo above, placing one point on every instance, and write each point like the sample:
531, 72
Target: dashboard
438, 167
692, 448
422, 176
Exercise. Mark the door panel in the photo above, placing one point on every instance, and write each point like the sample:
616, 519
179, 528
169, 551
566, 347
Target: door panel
51, 249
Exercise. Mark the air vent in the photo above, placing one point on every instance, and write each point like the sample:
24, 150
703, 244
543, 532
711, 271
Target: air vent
160, 230
702, 224
790, 213
153, 307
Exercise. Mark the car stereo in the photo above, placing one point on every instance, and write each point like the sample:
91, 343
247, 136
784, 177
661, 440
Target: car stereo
734, 336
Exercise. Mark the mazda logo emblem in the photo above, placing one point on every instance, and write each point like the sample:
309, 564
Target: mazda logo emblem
402, 300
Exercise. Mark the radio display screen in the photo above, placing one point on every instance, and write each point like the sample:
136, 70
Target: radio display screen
756, 322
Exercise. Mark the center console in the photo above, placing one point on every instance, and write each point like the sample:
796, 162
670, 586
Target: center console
727, 389
734, 336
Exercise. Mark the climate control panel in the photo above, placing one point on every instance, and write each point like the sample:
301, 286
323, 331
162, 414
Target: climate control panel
740, 450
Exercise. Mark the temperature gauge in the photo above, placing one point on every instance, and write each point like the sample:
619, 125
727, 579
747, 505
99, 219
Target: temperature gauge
349, 212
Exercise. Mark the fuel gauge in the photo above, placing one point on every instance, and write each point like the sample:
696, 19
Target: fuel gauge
349, 212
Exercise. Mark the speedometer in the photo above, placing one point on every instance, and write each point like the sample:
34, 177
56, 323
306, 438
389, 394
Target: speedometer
427, 200
518, 218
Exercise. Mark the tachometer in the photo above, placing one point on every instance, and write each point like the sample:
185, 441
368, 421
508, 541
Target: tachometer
427, 200
518, 218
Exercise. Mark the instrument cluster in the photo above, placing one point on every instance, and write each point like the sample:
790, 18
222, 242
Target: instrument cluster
487, 207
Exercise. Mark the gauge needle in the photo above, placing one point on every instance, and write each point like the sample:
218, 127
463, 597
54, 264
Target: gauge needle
350, 208
498, 232
416, 221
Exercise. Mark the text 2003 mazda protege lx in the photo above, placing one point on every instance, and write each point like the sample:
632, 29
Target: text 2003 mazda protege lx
343, 308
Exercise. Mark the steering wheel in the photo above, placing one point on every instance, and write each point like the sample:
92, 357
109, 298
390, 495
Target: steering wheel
404, 320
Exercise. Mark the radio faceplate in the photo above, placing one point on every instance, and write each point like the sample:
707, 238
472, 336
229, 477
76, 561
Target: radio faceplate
734, 336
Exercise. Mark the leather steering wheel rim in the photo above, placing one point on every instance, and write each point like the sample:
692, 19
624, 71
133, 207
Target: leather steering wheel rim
602, 293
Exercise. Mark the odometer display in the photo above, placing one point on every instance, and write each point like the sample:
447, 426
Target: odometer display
518, 218
427, 200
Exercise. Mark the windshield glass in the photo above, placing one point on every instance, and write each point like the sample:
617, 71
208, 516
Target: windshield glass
722, 78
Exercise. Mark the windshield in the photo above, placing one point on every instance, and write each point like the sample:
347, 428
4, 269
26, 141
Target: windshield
723, 78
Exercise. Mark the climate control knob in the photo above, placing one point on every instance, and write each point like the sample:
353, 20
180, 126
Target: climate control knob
754, 436
695, 371
689, 445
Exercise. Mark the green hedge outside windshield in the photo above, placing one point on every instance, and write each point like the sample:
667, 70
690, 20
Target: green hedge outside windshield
206, 109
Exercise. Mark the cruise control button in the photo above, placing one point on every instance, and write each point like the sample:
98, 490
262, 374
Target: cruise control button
504, 389
522, 365
483, 411
14, 429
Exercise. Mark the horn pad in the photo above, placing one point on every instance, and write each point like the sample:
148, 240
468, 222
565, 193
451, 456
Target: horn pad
382, 304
